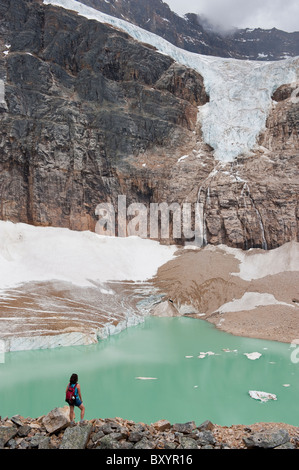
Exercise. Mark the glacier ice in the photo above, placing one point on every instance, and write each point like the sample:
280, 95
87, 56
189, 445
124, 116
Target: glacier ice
262, 396
240, 91
81, 258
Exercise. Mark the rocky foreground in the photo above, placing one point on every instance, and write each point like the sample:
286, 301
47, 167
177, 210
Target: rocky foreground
54, 431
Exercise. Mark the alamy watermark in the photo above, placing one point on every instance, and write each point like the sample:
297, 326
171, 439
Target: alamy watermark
157, 221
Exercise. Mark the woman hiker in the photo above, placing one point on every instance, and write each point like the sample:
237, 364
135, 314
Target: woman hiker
74, 398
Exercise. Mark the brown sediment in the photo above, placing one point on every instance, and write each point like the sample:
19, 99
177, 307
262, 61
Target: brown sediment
207, 279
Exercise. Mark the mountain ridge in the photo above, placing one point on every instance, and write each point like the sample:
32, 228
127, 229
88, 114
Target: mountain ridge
192, 33
88, 113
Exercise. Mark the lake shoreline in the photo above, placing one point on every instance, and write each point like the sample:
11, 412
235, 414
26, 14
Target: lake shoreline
54, 431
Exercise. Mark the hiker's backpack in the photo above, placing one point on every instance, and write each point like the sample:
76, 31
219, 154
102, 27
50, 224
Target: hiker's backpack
70, 397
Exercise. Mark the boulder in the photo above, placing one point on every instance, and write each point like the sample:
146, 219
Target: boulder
144, 443
18, 420
135, 436
188, 443
184, 428
57, 419
107, 442
162, 425
7, 433
205, 438
165, 309
267, 440
206, 426
112, 426
24, 430
45, 443
37, 440
76, 437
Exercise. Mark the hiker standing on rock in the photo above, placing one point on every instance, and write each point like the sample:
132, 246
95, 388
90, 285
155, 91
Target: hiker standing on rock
73, 397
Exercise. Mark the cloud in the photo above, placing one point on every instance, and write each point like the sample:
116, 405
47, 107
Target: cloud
281, 14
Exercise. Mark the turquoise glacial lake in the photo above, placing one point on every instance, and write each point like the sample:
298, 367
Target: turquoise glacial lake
182, 387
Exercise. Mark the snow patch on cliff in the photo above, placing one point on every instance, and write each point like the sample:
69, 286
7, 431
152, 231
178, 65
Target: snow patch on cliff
29, 253
249, 301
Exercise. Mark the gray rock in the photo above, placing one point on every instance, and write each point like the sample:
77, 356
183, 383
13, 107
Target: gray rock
45, 443
110, 427
119, 435
24, 445
188, 443
36, 440
76, 437
138, 428
24, 430
97, 436
287, 445
170, 445
11, 444
144, 443
126, 445
135, 436
18, 420
56, 420
267, 440
107, 442
184, 428
206, 426
206, 438
7, 433
162, 425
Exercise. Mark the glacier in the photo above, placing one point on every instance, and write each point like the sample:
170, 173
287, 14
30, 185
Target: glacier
80, 258
240, 91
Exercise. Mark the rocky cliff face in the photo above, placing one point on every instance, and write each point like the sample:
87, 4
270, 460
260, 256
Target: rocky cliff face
81, 100
88, 114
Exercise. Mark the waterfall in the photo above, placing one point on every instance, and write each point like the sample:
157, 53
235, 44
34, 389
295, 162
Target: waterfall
259, 217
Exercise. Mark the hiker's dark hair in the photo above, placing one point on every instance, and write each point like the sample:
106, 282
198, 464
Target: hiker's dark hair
74, 379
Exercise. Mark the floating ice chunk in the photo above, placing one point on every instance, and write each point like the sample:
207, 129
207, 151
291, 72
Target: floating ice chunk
253, 355
204, 354
146, 378
262, 396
